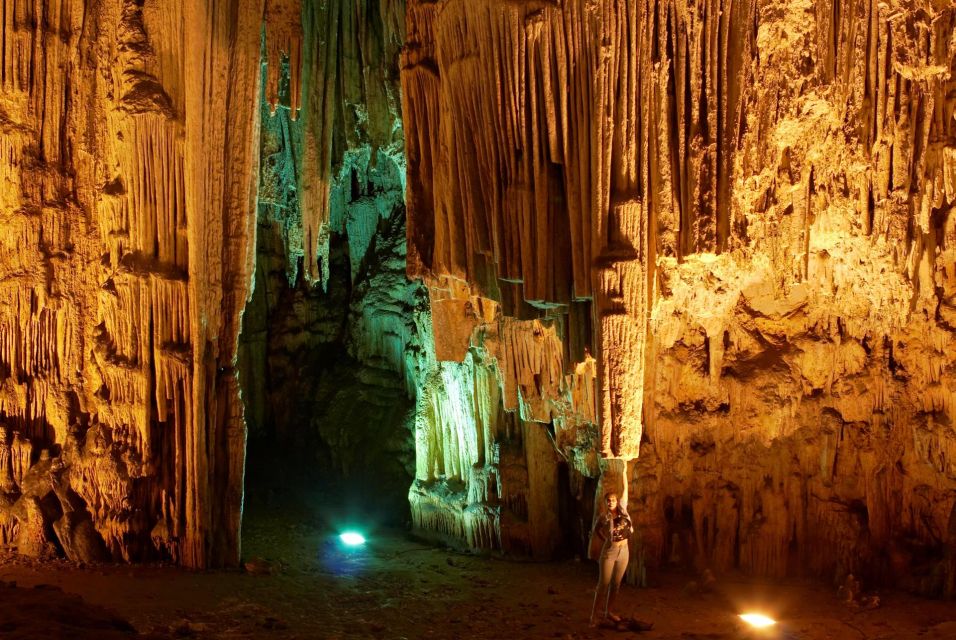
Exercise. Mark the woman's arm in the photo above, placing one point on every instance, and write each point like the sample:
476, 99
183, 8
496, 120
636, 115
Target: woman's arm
624, 490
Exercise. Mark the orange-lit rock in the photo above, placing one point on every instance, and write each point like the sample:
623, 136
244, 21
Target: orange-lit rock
128, 156
709, 242
752, 203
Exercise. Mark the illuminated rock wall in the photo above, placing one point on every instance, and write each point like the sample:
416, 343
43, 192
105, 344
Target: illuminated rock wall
713, 239
496, 413
129, 190
742, 211
128, 160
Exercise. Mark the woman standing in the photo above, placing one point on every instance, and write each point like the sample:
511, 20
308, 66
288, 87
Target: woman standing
612, 529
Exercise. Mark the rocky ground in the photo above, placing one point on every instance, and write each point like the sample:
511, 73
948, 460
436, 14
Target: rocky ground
300, 583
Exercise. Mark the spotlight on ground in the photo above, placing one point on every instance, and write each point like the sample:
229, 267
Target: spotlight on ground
352, 538
758, 620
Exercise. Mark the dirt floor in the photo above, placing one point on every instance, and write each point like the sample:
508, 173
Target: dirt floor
307, 586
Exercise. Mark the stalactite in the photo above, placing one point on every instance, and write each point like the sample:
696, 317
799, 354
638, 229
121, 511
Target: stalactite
283, 22
754, 200
482, 423
20, 452
127, 192
222, 187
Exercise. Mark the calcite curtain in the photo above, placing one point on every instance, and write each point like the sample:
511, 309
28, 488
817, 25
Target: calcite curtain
712, 238
128, 163
742, 210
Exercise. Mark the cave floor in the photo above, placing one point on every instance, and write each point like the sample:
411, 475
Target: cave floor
395, 587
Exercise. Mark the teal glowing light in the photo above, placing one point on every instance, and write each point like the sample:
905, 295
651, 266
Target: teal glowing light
352, 538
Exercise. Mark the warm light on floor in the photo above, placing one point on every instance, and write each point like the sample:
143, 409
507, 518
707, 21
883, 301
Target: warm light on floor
757, 620
352, 538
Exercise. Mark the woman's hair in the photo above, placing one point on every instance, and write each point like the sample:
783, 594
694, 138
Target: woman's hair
621, 507
603, 508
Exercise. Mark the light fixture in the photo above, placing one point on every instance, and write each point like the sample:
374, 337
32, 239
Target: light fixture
757, 620
352, 538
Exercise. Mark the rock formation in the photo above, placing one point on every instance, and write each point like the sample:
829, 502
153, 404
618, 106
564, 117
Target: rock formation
741, 212
128, 156
129, 185
327, 355
707, 242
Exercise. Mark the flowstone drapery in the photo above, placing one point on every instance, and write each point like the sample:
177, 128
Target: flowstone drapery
742, 211
712, 239
128, 158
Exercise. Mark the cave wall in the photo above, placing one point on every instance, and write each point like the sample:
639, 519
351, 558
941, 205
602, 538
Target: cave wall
128, 162
328, 349
131, 138
711, 239
708, 240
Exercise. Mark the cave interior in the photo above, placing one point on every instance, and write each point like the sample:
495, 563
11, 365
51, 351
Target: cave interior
451, 271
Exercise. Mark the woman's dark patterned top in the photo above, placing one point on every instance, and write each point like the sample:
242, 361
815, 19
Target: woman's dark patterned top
619, 526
